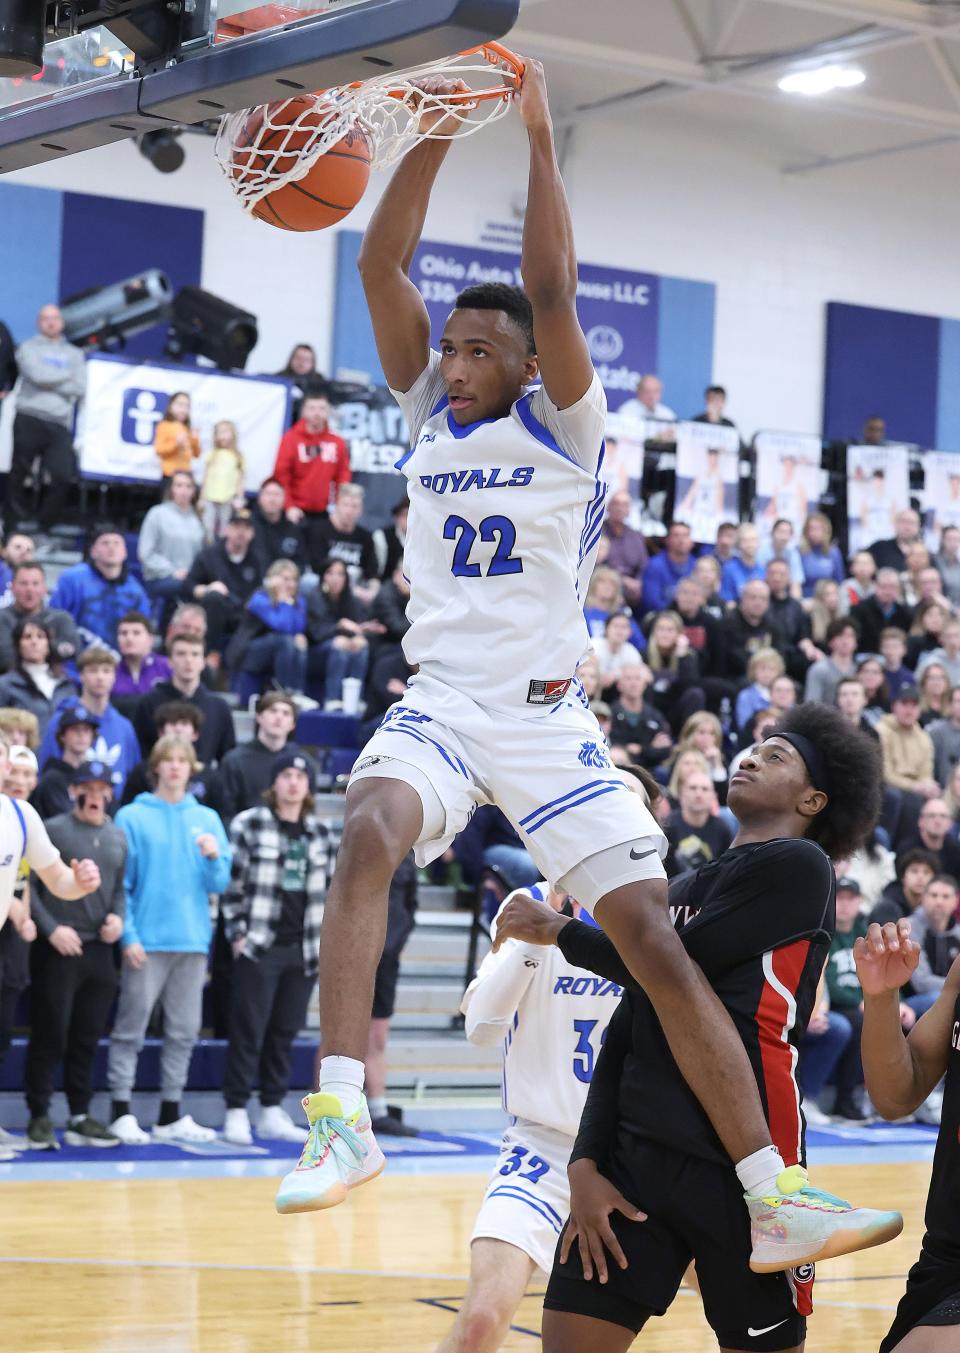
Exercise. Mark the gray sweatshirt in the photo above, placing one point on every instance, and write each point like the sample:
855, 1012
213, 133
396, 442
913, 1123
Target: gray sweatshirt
946, 748
76, 840
938, 949
170, 539
53, 377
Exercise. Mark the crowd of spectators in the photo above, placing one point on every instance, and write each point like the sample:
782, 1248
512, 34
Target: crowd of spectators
289, 600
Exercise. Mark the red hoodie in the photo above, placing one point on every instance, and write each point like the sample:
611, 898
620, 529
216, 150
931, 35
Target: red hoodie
309, 464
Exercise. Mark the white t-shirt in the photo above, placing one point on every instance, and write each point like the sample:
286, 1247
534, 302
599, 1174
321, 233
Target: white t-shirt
612, 664
505, 521
38, 849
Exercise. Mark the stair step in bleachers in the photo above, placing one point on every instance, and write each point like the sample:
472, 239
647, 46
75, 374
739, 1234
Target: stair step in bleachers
442, 1058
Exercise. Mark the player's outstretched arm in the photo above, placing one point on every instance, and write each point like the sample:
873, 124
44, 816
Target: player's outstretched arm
900, 1072
73, 881
549, 259
401, 325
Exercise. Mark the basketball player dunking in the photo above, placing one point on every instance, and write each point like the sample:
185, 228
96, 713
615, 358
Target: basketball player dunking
506, 507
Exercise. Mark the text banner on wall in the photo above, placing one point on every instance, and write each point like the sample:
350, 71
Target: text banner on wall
788, 479
377, 434
125, 401
635, 322
878, 487
618, 310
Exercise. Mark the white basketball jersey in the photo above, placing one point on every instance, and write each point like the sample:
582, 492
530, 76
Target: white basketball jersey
505, 521
558, 1030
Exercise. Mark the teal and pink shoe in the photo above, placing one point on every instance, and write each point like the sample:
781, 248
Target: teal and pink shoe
340, 1153
796, 1224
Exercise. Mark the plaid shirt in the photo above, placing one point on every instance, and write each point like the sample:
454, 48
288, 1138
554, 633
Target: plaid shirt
253, 902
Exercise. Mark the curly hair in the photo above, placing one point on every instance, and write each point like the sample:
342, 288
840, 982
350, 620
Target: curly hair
513, 301
854, 775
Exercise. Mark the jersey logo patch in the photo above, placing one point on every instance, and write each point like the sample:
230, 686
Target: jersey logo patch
592, 754
547, 692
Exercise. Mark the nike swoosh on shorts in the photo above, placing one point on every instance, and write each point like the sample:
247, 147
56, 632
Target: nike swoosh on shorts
643, 854
755, 1334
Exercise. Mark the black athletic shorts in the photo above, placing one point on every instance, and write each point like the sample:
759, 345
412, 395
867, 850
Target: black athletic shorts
401, 910
696, 1211
932, 1296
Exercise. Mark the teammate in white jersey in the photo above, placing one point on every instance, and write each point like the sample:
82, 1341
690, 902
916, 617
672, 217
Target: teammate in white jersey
23, 836
551, 1018
506, 508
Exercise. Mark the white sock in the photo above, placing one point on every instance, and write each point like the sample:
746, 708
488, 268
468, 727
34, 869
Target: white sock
758, 1173
377, 1104
343, 1077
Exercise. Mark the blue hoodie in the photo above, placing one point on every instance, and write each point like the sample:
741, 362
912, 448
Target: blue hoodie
167, 879
115, 744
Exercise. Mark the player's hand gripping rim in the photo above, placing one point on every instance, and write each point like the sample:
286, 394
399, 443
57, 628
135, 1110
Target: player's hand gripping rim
886, 957
592, 1199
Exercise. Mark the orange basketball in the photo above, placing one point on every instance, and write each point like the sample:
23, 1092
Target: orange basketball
333, 186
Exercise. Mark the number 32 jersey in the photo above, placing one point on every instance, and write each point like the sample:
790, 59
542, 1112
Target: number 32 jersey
505, 521
556, 1031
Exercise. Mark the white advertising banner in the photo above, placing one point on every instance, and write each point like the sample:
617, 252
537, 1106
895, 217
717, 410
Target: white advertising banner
788, 479
125, 401
878, 487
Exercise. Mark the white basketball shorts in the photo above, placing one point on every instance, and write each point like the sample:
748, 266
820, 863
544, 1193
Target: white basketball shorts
528, 1198
549, 772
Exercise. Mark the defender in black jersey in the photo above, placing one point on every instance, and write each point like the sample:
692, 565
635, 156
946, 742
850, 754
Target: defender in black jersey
900, 1072
758, 921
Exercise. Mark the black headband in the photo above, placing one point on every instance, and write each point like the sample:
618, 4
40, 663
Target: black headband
809, 754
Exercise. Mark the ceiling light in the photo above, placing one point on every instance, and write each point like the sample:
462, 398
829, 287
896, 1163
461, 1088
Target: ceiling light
821, 80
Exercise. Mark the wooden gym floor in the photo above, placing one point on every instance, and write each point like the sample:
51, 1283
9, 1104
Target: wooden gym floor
204, 1265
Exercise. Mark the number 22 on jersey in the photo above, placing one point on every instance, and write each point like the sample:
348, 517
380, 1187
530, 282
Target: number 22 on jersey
499, 529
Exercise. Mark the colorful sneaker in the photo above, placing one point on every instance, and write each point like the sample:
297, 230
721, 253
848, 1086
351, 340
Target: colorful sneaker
86, 1131
339, 1154
798, 1224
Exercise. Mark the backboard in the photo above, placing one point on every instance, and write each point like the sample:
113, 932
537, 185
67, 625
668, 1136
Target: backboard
99, 85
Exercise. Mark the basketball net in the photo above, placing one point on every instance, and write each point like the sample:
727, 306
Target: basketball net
261, 149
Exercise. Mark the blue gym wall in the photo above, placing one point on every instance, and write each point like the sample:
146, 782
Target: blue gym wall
55, 244
904, 367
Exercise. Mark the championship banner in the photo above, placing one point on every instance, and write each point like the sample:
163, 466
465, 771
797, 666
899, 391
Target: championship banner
708, 471
125, 402
941, 494
788, 479
878, 487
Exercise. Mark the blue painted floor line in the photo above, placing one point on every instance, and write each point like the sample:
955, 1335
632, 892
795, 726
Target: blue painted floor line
463, 1152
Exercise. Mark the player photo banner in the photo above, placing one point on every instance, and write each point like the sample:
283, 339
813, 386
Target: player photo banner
708, 469
878, 487
941, 494
788, 479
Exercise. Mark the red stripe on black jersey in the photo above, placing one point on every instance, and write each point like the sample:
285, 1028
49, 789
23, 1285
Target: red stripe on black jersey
776, 1017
